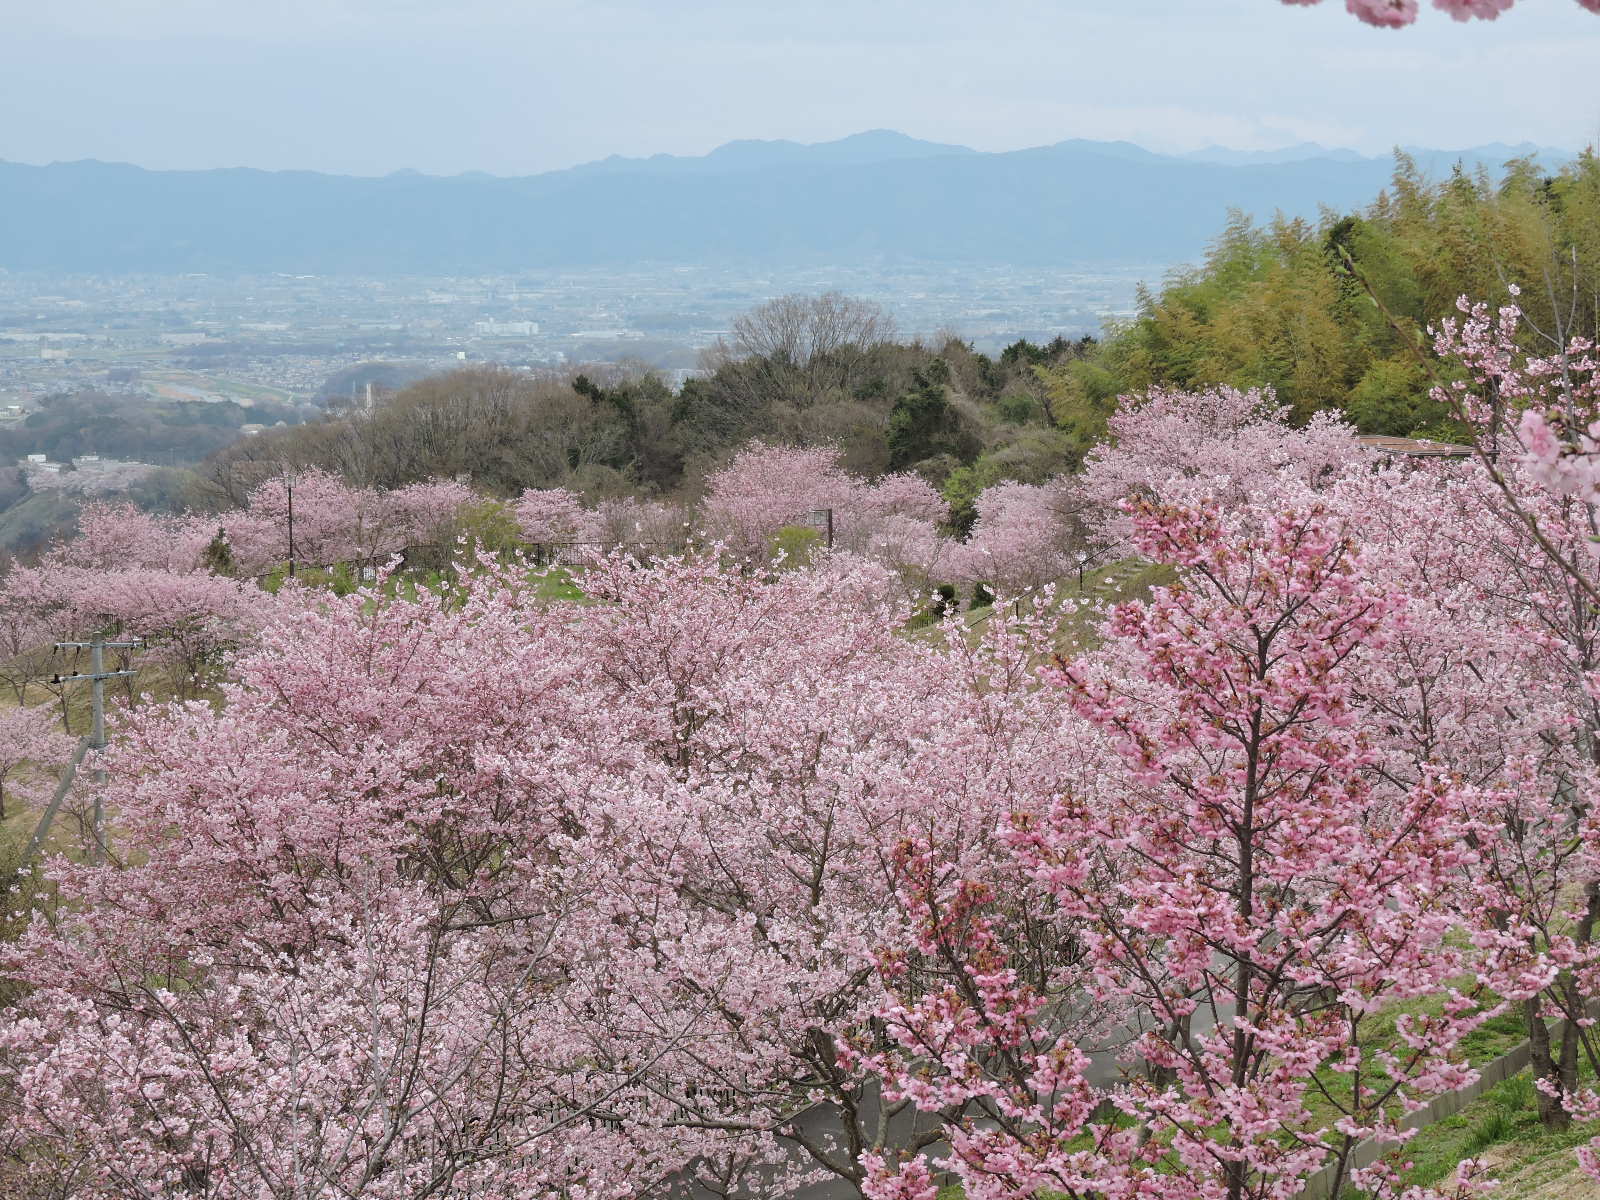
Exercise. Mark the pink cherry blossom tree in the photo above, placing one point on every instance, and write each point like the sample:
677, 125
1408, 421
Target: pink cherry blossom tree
1026, 535
326, 520
1224, 443
547, 515
915, 551
766, 488
25, 641
631, 521
1543, 410
335, 523
189, 620
636, 848
901, 495
352, 929
1280, 893
31, 747
1522, 603
119, 536
1489, 673
1488, 676
775, 783
894, 521
423, 513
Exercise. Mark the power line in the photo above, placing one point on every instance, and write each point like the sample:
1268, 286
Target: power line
95, 739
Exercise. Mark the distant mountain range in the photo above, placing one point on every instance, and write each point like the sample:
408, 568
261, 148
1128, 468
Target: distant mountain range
878, 194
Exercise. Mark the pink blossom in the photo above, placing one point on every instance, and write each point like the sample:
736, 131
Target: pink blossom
1025, 536
1398, 13
766, 488
1245, 849
32, 749
548, 515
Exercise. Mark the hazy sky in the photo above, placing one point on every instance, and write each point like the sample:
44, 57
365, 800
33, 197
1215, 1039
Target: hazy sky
515, 86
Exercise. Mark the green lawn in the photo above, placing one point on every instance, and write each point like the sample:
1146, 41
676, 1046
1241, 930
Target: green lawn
1113, 583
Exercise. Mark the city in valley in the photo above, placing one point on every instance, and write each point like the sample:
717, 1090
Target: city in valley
293, 346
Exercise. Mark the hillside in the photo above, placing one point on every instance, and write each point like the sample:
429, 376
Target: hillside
874, 195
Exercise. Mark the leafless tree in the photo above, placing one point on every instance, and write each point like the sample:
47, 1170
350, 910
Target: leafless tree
804, 347
803, 328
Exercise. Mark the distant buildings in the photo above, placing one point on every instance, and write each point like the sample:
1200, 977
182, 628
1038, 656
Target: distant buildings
90, 473
281, 337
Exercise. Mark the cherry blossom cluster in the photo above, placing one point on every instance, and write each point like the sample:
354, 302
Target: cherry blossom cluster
552, 516
130, 572
334, 522
1245, 882
1545, 408
1025, 535
720, 879
149, 576
766, 488
473, 893
1356, 648
1394, 14
30, 745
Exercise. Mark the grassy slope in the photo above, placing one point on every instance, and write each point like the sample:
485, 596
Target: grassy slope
1502, 1127
1125, 579
37, 518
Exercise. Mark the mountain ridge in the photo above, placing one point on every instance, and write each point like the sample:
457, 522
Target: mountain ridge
879, 194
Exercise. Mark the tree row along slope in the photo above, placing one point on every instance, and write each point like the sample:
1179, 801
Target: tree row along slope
1330, 314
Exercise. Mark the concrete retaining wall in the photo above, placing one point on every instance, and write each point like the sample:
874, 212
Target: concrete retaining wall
1512, 1062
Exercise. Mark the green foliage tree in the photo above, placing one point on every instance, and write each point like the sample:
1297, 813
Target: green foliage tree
961, 490
1331, 314
217, 557
491, 526
925, 426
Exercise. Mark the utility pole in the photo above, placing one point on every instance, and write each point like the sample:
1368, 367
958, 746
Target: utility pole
288, 484
95, 739
263, 471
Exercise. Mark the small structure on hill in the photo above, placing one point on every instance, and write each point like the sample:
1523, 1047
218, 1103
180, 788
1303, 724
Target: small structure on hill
1413, 447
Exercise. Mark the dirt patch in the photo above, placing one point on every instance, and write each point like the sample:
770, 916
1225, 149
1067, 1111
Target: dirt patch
1554, 1176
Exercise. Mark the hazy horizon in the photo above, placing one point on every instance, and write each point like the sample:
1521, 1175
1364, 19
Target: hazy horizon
407, 169
372, 86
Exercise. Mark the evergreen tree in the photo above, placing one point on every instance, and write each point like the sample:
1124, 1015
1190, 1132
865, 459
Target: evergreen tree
922, 424
217, 557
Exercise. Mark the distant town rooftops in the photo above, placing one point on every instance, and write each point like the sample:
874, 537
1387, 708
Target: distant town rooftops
90, 473
1413, 447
